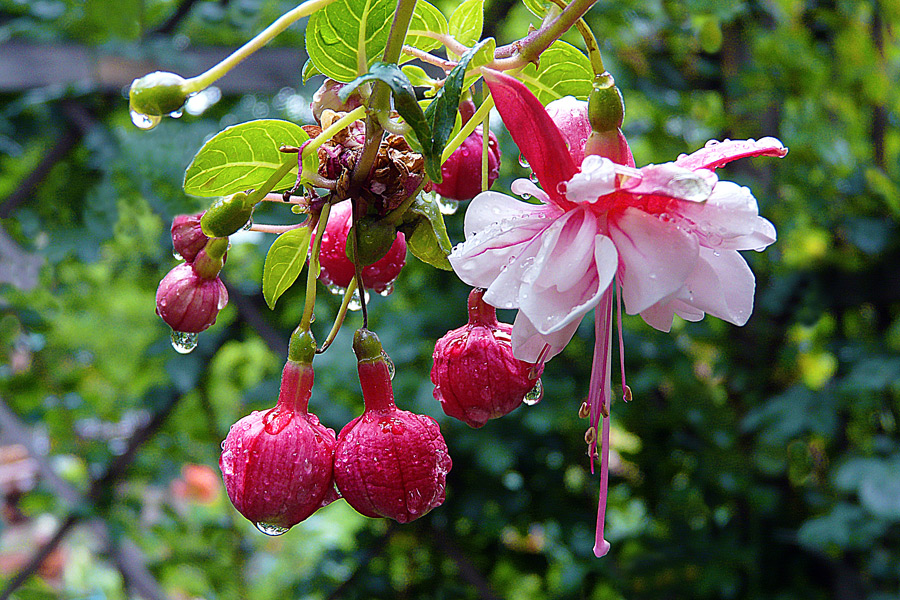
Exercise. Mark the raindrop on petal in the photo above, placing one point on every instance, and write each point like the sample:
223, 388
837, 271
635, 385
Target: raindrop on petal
269, 529
183, 342
142, 121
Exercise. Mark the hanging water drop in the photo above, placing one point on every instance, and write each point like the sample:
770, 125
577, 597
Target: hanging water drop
248, 225
269, 529
523, 162
390, 364
145, 122
176, 255
535, 394
176, 114
183, 342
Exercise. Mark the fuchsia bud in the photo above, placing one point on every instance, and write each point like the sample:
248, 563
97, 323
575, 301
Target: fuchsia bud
189, 302
188, 238
462, 170
277, 465
475, 374
388, 462
337, 269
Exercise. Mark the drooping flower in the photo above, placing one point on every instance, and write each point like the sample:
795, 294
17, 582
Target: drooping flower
668, 234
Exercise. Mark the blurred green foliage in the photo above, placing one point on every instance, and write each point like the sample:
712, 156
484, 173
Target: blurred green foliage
760, 462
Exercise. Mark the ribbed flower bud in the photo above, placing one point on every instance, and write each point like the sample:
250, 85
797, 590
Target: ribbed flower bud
277, 464
188, 238
462, 170
388, 462
338, 270
475, 374
189, 302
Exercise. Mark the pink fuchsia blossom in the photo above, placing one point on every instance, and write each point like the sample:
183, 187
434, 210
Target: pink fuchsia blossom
668, 234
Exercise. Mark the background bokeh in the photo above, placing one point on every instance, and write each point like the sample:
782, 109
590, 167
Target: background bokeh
759, 462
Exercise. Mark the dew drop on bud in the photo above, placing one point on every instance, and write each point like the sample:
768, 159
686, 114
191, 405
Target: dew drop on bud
447, 206
145, 122
176, 255
390, 364
269, 529
535, 394
183, 342
523, 162
176, 114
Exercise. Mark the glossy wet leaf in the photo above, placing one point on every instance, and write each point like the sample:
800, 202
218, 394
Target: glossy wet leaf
284, 261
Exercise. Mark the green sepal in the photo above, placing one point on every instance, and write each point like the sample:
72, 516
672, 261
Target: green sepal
302, 346
157, 94
367, 346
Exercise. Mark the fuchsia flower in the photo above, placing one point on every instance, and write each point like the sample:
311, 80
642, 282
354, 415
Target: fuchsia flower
669, 234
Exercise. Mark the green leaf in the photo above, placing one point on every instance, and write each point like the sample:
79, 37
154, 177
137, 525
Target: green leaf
309, 70
467, 21
417, 76
537, 7
245, 156
406, 104
425, 19
336, 34
564, 71
426, 233
441, 113
483, 56
285, 260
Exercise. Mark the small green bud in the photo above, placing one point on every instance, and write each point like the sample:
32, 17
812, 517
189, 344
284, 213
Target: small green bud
606, 107
226, 215
367, 346
302, 347
375, 239
158, 94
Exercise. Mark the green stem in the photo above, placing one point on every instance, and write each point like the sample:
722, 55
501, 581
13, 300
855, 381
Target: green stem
204, 80
485, 139
339, 318
333, 129
468, 128
590, 42
380, 100
313, 269
395, 216
258, 194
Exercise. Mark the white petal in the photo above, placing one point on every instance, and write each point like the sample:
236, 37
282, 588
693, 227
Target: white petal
728, 220
659, 316
527, 189
655, 257
597, 178
498, 228
551, 308
527, 342
722, 285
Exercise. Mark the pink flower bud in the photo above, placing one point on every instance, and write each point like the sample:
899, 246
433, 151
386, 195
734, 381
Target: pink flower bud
188, 302
475, 374
277, 465
388, 462
326, 97
338, 270
571, 117
187, 237
462, 171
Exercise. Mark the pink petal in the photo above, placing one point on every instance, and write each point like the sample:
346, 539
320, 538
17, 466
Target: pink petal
571, 118
533, 131
655, 257
569, 275
715, 154
494, 239
728, 220
596, 178
528, 343
659, 316
527, 189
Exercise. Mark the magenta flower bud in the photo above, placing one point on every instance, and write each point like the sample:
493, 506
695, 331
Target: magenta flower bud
326, 97
388, 462
188, 302
188, 238
475, 374
462, 171
277, 464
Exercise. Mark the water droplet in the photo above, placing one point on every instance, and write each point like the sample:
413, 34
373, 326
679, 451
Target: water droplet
269, 529
355, 303
176, 255
176, 114
183, 342
145, 122
523, 162
390, 364
386, 290
447, 206
690, 187
535, 394
533, 178
561, 188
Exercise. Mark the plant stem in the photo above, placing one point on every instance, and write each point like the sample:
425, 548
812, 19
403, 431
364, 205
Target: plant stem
333, 129
276, 229
485, 139
380, 100
204, 80
339, 318
395, 216
468, 128
258, 194
313, 269
446, 65
590, 42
